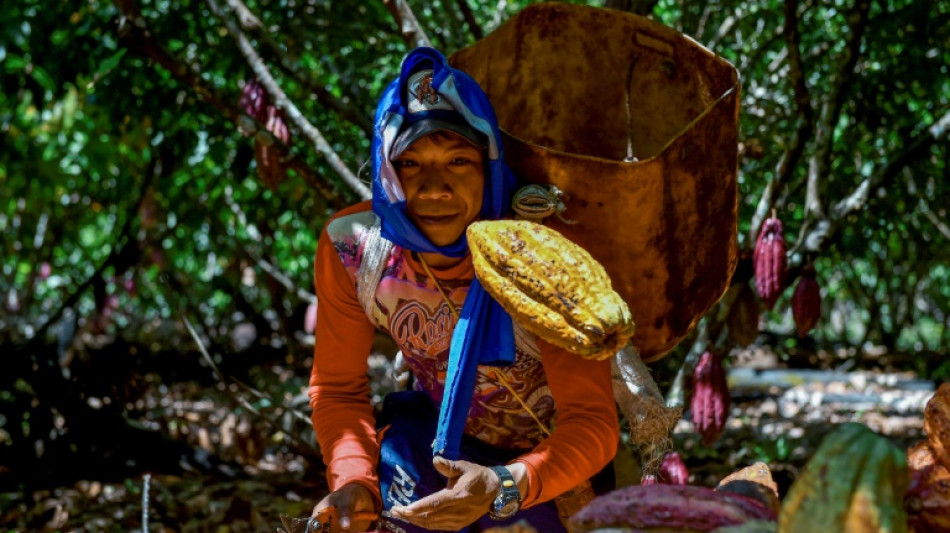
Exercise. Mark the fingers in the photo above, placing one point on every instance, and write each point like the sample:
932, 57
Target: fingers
346, 508
436, 515
448, 468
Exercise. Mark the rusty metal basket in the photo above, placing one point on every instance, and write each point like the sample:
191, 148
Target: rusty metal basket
637, 125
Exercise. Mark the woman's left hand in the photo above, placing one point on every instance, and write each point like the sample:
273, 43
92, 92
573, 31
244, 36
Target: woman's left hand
467, 496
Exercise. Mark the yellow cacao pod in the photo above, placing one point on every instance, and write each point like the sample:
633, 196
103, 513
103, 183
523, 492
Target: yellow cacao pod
550, 286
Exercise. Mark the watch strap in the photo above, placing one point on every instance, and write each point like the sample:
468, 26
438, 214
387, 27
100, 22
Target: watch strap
508, 494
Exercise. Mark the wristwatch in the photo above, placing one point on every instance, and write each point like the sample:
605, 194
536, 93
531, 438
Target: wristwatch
508, 501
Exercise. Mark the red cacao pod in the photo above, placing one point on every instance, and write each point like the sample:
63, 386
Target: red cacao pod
270, 169
927, 500
742, 323
673, 470
937, 425
769, 262
710, 402
806, 302
254, 100
668, 508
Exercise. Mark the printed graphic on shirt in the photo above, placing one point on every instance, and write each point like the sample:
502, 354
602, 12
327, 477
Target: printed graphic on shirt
411, 309
402, 487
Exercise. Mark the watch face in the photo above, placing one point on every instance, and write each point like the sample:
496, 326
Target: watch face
505, 507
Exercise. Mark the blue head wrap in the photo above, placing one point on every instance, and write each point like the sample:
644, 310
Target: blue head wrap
484, 333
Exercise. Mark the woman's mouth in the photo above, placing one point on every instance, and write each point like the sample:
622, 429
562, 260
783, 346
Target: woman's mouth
436, 220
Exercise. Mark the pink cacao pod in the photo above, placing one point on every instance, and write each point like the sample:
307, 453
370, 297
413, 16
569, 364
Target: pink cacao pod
667, 508
769, 262
270, 169
254, 100
673, 470
806, 302
648, 479
710, 401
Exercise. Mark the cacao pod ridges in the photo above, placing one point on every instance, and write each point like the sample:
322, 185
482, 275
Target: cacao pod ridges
854, 482
256, 103
254, 100
806, 302
710, 401
769, 262
664, 507
550, 286
937, 425
927, 500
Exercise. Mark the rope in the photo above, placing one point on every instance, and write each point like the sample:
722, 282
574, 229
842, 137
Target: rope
507, 385
448, 302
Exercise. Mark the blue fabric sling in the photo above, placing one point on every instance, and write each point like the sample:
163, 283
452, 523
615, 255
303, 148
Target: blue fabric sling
484, 333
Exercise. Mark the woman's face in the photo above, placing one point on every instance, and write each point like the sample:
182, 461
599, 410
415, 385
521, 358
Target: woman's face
443, 177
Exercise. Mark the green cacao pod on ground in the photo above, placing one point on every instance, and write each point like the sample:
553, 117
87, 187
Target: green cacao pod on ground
854, 483
754, 526
667, 508
551, 286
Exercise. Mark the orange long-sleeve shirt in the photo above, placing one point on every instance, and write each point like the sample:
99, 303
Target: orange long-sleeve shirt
555, 384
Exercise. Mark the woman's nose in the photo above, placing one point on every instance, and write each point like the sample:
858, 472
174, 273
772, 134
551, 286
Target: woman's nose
435, 186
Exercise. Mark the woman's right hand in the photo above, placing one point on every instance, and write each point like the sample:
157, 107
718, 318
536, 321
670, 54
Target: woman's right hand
353, 502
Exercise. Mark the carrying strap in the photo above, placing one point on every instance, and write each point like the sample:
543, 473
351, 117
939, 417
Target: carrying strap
376, 252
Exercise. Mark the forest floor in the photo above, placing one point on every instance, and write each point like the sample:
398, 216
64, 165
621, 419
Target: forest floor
777, 417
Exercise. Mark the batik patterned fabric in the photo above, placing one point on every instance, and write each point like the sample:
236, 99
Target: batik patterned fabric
410, 308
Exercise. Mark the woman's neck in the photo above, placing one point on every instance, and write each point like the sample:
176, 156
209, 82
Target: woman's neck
439, 261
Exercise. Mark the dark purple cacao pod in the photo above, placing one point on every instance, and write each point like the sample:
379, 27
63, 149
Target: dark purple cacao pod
710, 402
673, 470
769, 262
806, 302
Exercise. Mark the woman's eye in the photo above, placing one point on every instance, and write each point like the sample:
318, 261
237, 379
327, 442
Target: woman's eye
461, 161
403, 163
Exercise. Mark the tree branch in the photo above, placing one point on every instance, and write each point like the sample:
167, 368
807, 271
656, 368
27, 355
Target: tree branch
276, 274
789, 161
135, 35
820, 235
283, 102
347, 111
925, 207
469, 17
409, 26
831, 110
